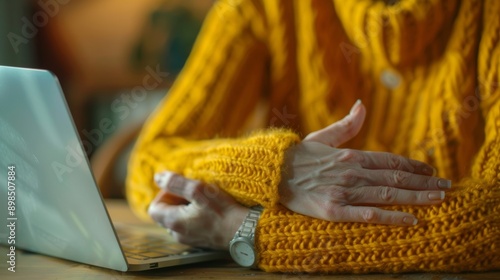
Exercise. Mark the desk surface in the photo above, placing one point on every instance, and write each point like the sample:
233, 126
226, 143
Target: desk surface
34, 266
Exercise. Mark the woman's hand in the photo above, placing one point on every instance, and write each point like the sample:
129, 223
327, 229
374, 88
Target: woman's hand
198, 214
344, 185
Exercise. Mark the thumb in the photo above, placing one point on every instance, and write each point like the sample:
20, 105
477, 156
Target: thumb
341, 131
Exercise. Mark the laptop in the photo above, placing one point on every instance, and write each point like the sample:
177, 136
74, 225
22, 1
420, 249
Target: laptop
51, 202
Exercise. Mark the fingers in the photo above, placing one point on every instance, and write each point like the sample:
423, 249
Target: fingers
343, 130
383, 195
391, 170
178, 218
405, 180
383, 160
372, 215
198, 214
168, 216
191, 190
199, 226
169, 198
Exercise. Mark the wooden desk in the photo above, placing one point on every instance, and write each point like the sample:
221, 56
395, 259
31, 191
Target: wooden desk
34, 266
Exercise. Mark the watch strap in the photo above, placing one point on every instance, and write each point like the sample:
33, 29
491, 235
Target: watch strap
247, 228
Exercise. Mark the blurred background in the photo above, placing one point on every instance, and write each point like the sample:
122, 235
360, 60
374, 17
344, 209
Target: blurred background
115, 60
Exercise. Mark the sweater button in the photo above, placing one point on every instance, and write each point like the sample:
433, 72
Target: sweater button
390, 79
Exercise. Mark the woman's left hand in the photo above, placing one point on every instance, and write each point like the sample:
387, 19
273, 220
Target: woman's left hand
198, 214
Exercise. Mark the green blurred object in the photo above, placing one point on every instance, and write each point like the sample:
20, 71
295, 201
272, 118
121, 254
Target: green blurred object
16, 48
167, 39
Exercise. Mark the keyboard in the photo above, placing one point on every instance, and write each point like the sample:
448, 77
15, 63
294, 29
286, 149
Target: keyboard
144, 245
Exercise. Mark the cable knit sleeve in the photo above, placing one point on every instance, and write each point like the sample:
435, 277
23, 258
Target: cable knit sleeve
461, 234
194, 132
487, 164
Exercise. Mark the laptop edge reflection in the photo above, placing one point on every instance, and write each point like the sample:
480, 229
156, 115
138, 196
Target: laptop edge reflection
59, 210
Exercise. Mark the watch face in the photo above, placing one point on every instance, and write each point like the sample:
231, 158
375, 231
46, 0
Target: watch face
243, 253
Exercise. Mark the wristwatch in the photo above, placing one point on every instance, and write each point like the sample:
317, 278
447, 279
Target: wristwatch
242, 246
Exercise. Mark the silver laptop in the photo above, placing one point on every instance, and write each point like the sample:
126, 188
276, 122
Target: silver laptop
54, 206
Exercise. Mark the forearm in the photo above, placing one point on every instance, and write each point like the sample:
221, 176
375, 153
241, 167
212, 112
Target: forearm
249, 169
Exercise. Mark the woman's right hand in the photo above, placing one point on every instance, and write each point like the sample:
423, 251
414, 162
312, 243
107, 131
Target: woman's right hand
345, 185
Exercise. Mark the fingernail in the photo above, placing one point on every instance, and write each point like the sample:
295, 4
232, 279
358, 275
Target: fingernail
436, 195
157, 177
444, 184
355, 106
159, 180
410, 221
434, 171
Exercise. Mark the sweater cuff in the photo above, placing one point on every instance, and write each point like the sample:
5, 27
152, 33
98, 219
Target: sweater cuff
248, 169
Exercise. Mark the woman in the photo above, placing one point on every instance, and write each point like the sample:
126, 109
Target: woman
427, 73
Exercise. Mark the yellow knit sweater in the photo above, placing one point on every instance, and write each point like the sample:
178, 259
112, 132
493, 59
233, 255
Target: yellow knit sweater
428, 72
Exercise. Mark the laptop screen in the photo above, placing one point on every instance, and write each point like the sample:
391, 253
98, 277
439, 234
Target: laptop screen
50, 199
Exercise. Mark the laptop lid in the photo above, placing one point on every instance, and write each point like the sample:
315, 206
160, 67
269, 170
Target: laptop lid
55, 206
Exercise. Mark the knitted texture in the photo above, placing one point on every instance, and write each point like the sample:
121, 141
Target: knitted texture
428, 73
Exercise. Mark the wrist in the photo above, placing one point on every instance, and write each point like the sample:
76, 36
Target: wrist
235, 219
286, 171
